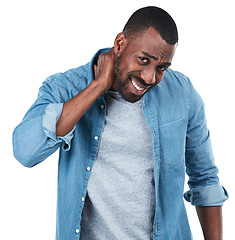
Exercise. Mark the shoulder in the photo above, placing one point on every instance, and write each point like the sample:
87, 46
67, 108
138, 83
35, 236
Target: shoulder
79, 77
173, 86
75, 76
175, 78
64, 86
175, 95
177, 82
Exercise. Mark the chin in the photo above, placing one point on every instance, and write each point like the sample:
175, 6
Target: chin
132, 98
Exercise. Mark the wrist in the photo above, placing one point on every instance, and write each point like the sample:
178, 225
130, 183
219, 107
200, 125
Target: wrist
98, 87
101, 85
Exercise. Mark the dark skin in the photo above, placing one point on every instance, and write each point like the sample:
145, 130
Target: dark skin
136, 64
146, 56
211, 221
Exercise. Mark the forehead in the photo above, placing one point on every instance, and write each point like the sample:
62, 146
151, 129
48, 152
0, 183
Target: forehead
151, 42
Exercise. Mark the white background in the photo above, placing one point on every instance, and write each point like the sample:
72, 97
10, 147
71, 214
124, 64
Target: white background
40, 38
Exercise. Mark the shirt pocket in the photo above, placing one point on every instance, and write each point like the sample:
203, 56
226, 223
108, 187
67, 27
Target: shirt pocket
172, 142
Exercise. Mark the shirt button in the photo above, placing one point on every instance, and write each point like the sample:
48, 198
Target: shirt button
96, 138
102, 106
83, 199
77, 231
88, 168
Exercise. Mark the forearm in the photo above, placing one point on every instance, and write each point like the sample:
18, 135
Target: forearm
211, 222
76, 107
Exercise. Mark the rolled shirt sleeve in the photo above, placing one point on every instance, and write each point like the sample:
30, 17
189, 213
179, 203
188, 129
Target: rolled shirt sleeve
214, 195
50, 118
34, 139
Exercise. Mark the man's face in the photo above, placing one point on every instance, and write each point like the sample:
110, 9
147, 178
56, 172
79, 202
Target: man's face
142, 64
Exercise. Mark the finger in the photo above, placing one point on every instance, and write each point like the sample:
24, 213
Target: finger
95, 71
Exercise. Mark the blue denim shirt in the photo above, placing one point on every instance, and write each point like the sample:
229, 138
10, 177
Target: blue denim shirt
181, 140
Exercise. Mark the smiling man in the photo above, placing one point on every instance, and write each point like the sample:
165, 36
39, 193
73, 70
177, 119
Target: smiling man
127, 127
142, 63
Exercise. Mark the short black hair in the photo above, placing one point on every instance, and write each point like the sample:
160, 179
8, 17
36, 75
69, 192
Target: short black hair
154, 17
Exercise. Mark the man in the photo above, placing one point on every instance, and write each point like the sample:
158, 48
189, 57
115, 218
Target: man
127, 126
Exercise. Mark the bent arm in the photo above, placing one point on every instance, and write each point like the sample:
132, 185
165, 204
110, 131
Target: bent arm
76, 107
50, 122
211, 222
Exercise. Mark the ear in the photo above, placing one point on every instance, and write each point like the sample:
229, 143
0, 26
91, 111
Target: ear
120, 43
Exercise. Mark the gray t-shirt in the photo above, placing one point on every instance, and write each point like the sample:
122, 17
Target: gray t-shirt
120, 201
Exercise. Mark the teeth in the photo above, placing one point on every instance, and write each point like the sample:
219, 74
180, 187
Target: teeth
136, 86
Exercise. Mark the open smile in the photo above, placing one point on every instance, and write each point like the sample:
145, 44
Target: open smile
137, 86
140, 89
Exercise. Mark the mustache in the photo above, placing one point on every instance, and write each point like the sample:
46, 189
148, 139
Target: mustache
139, 79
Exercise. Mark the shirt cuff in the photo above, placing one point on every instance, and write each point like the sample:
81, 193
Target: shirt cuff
214, 195
50, 118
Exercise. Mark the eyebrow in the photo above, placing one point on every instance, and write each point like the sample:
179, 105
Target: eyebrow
155, 58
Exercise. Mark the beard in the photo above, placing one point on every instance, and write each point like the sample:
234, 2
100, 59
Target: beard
123, 82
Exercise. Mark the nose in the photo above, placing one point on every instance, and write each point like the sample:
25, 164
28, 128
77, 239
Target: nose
149, 76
